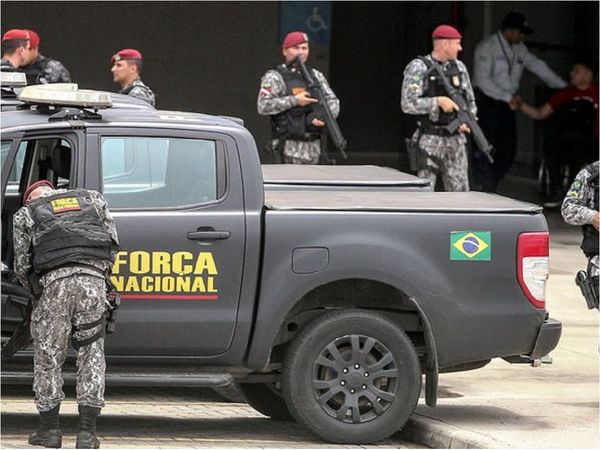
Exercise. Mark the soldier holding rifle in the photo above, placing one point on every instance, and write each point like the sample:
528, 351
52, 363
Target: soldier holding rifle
298, 121
439, 144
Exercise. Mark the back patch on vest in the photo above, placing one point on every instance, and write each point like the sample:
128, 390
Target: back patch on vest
61, 205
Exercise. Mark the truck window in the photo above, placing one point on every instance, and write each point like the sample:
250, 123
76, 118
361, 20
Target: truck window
15, 172
148, 172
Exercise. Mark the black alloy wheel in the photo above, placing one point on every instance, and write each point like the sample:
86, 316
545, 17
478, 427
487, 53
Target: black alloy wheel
351, 376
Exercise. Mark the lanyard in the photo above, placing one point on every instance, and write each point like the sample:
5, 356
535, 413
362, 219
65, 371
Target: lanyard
509, 61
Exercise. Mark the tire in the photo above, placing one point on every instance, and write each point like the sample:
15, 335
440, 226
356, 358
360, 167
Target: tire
266, 399
231, 393
331, 359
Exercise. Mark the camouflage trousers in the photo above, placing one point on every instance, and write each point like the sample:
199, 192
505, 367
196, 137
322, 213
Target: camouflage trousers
302, 152
77, 299
446, 157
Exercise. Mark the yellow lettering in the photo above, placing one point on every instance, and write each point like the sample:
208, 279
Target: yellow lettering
132, 285
179, 267
160, 262
205, 262
146, 283
120, 260
139, 262
210, 282
183, 284
198, 285
118, 281
168, 284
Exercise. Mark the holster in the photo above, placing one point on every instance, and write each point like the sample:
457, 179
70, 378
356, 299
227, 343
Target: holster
34, 284
275, 147
417, 157
589, 288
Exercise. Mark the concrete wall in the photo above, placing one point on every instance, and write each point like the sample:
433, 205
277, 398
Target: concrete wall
209, 56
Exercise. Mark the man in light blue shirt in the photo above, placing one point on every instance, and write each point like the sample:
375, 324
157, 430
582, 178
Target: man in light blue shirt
499, 63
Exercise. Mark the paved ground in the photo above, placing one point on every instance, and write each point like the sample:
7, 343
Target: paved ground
166, 418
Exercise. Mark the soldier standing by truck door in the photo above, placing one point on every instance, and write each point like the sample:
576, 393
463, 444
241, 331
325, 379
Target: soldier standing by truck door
65, 242
296, 125
424, 95
580, 207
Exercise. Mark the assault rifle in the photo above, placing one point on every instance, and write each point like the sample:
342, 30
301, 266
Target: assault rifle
465, 116
315, 88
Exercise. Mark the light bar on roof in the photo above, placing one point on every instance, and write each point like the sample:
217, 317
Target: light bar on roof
13, 79
65, 94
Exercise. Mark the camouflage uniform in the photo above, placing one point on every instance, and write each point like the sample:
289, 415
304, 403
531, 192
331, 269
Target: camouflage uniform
138, 89
578, 207
446, 155
272, 99
47, 70
71, 295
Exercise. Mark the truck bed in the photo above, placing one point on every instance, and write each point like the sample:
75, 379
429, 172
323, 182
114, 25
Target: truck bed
326, 177
375, 200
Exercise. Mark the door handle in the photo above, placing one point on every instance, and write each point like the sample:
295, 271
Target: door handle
208, 235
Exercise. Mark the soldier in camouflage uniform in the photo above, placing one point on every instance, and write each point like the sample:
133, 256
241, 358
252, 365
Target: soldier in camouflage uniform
126, 70
16, 50
296, 123
65, 242
580, 207
423, 95
43, 70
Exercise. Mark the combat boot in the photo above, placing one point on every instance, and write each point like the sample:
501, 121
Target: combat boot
86, 438
48, 433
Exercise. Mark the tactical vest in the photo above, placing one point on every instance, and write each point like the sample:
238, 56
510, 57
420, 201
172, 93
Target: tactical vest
589, 245
295, 123
67, 228
434, 87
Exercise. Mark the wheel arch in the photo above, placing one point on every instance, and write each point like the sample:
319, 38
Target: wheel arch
345, 293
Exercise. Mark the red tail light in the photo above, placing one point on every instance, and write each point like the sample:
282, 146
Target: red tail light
532, 266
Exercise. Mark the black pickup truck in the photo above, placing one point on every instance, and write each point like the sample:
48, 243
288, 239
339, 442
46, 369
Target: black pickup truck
324, 299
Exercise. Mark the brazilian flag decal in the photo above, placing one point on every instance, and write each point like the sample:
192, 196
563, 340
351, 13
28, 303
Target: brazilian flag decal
470, 246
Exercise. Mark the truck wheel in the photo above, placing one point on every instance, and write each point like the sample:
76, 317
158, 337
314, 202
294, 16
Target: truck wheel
267, 399
352, 377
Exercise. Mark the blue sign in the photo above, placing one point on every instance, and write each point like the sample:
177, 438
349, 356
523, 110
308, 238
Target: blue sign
313, 18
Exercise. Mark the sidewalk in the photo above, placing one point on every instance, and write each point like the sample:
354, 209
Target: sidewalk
517, 406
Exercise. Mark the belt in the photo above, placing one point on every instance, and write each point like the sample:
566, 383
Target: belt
435, 130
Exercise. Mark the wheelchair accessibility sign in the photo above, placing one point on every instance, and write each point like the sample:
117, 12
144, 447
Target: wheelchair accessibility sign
313, 18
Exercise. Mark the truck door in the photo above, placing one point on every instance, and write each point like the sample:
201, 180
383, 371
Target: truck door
177, 202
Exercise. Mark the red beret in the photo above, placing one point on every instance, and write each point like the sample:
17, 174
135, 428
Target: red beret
15, 34
34, 38
294, 38
126, 54
446, 32
34, 186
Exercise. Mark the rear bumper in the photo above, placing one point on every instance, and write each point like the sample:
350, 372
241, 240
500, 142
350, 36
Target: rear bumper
547, 339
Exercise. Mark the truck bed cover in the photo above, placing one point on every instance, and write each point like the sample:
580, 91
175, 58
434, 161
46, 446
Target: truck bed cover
457, 202
367, 175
